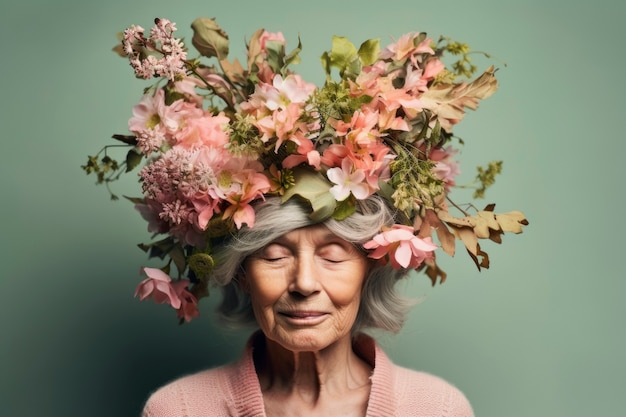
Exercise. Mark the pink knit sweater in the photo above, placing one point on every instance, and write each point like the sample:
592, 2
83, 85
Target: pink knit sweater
234, 390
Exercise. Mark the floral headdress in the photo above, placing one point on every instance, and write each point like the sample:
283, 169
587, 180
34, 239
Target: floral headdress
217, 138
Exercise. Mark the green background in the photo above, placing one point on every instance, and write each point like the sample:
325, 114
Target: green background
540, 333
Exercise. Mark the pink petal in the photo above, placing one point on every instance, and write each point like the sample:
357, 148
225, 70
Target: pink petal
403, 255
425, 244
157, 274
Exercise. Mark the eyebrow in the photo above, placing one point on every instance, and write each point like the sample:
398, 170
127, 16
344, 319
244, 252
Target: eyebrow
326, 237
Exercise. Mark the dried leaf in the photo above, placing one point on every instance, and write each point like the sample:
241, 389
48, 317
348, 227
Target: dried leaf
445, 237
209, 38
484, 225
433, 272
449, 101
468, 237
485, 221
424, 229
484, 261
454, 221
496, 235
233, 70
119, 48
512, 221
254, 50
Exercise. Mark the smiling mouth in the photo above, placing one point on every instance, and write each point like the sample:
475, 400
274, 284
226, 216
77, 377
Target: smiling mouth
310, 317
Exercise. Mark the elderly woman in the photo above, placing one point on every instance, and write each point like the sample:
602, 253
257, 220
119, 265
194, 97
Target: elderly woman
305, 205
312, 290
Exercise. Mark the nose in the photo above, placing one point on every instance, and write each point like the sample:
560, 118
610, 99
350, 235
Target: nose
305, 280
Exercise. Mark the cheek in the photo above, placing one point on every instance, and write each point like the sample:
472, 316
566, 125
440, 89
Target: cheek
265, 290
344, 289
263, 299
345, 296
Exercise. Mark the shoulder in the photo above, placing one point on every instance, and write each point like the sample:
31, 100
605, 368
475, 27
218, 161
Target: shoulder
196, 394
421, 390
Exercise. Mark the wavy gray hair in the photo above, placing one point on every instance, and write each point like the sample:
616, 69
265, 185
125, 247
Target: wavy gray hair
381, 306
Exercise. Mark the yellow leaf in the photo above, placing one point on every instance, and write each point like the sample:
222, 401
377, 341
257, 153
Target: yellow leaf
512, 221
485, 221
448, 101
255, 52
468, 237
234, 71
454, 221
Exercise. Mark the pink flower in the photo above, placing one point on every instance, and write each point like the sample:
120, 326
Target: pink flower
348, 181
306, 154
247, 185
159, 287
270, 36
209, 130
405, 47
446, 168
402, 248
154, 121
361, 128
188, 303
161, 41
433, 67
292, 89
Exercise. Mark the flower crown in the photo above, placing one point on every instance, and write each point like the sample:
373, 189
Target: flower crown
218, 138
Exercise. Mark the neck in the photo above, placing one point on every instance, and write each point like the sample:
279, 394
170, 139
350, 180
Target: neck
333, 371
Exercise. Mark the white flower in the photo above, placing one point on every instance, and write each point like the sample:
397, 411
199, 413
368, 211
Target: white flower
348, 181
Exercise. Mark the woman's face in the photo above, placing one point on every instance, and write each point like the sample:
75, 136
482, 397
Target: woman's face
305, 288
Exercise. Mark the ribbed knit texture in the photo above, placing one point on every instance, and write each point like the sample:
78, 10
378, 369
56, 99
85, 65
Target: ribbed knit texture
234, 390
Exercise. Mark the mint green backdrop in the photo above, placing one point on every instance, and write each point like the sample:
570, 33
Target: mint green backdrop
541, 333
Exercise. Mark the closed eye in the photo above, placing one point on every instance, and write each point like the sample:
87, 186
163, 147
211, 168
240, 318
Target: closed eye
335, 253
274, 253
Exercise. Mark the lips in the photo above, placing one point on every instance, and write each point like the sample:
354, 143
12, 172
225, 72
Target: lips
302, 314
304, 317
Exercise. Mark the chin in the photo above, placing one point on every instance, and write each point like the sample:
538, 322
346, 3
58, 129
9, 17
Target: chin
304, 340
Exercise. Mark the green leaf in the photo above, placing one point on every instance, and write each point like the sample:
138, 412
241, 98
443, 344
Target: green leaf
343, 56
158, 249
177, 255
312, 187
342, 52
369, 51
209, 38
294, 56
127, 139
136, 200
345, 208
275, 52
326, 64
133, 158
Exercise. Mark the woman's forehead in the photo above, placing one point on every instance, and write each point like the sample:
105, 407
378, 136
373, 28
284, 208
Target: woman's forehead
313, 232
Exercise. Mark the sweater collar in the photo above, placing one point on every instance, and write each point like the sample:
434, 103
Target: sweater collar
248, 398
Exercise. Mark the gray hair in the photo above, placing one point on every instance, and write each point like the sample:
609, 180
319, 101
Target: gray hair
381, 306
